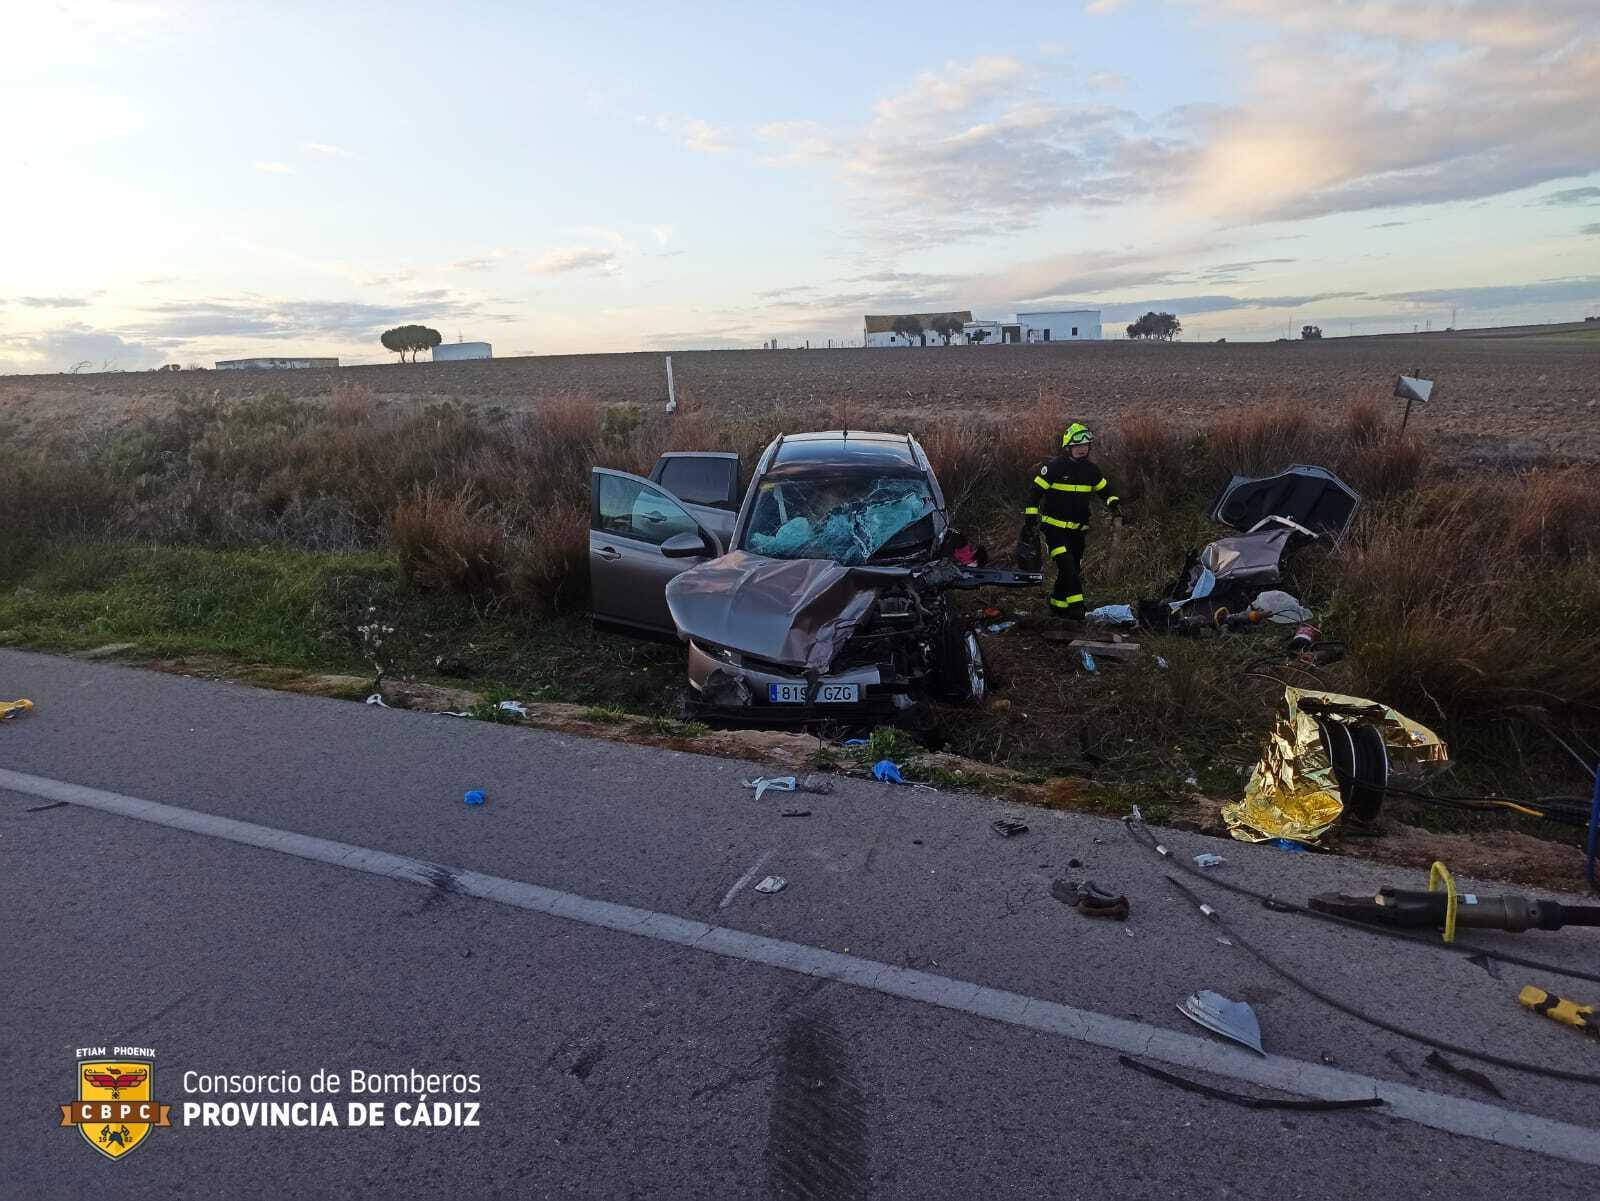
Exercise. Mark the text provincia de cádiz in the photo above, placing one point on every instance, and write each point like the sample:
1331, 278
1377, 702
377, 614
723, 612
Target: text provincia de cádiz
420, 1107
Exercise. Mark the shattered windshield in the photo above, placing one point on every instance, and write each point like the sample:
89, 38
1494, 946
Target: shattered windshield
847, 519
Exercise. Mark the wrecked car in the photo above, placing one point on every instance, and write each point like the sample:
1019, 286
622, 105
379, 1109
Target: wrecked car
825, 592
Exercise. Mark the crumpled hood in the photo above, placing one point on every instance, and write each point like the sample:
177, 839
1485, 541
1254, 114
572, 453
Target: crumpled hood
795, 612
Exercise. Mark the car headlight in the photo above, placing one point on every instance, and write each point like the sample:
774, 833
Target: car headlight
719, 653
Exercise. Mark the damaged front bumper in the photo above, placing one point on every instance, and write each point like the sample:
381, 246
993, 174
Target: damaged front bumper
730, 686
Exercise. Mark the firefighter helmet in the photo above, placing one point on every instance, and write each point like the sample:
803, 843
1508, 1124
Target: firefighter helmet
1077, 435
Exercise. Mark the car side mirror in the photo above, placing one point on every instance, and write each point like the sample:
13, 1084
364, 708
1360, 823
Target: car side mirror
685, 546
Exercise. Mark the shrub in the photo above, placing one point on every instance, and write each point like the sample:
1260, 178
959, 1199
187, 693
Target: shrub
448, 541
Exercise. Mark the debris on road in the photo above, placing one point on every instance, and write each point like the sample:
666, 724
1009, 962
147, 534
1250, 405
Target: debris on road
1207, 859
516, 707
1471, 1075
1487, 964
765, 784
1089, 899
772, 884
377, 699
1326, 753
1220, 1094
474, 797
1007, 828
1559, 1009
794, 813
1085, 658
886, 771
998, 627
10, 709
1231, 1019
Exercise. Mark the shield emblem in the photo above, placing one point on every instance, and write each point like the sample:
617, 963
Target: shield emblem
115, 1109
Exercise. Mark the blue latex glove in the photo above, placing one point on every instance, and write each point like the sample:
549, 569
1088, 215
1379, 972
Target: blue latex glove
886, 771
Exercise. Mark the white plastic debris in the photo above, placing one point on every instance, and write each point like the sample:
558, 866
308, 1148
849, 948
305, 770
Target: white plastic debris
516, 707
377, 699
1231, 1019
764, 784
772, 884
1208, 860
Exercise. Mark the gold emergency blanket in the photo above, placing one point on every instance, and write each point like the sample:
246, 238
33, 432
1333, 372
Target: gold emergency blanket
1293, 791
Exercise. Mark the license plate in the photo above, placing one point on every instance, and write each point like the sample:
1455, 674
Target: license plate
827, 694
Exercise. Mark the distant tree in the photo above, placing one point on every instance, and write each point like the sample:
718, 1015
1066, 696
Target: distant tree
410, 337
1310, 333
978, 336
909, 328
1162, 326
945, 327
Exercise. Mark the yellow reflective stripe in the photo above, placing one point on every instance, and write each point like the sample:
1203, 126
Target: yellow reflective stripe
1101, 485
1111, 500
1059, 604
1060, 550
1041, 481
1073, 600
1064, 525
1072, 487
1031, 511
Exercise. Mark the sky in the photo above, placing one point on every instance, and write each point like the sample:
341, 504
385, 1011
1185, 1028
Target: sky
191, 182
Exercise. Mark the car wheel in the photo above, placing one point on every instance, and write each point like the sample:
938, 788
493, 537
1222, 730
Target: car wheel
963, 675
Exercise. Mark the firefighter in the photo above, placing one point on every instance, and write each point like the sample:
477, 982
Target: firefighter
1064, 493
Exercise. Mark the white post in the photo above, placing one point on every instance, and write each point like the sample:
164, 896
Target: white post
672, 393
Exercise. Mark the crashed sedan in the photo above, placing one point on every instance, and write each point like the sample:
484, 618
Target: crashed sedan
827, 594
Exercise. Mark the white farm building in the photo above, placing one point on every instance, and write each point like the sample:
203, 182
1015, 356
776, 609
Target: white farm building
1064, 325
270, 364
447, 352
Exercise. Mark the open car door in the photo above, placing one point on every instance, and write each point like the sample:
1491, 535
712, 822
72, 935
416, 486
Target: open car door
640, 536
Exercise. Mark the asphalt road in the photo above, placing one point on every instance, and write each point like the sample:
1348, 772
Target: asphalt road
627, 1064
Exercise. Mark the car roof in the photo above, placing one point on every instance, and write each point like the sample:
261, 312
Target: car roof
829, 450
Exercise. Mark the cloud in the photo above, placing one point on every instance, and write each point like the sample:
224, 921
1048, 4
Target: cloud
1106, 81
693, 133
1103, 8
1571, 196
1576, 289
319, 320
1388, 224
329, 150
472, 264
52, 302
977, 148
1591, 229
804, 141
574, 258
1421, 102
65, 347
274, 168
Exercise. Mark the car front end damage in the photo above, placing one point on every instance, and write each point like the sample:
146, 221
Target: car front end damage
792, 641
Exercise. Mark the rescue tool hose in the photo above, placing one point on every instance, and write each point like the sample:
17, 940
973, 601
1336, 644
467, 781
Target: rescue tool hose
1140, 833
1515, 1065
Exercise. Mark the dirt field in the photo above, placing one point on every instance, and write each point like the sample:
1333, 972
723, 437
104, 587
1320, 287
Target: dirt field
1534, 394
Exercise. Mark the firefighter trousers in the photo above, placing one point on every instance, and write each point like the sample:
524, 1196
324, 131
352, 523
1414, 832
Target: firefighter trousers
1066, 552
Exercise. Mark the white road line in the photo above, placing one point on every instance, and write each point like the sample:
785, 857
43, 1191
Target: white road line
743, 880
1473, 1119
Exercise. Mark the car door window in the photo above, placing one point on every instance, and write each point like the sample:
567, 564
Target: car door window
698, 480
633, 509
